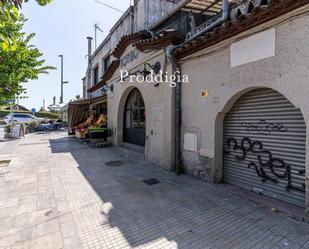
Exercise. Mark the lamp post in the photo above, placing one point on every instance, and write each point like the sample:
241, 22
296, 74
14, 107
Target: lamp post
62, 82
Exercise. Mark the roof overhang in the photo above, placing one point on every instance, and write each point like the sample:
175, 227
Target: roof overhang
85, 102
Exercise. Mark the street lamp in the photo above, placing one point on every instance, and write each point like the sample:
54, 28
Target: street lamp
62, 82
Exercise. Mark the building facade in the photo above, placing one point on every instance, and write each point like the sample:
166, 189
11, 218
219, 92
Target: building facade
241, 119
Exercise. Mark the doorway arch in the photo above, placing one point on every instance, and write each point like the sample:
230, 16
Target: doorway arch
134, 120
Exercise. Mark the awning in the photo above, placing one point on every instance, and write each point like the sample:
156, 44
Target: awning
78, 110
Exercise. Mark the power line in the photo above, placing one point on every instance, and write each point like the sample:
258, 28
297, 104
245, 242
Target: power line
109, 6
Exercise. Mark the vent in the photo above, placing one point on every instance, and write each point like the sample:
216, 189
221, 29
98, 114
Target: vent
114, 163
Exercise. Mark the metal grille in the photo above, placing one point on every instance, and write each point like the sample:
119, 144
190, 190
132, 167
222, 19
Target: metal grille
114, 163
264, 146
151, 181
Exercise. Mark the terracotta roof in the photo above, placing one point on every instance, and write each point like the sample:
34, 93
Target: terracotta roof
163, 40
108, 75
242, 17
127, 40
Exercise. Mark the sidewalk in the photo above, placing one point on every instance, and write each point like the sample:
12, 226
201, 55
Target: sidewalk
61, 194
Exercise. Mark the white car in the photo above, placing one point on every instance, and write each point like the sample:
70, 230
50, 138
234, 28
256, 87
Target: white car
21, 118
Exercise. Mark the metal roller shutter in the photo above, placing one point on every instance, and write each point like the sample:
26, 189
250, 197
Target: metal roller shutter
265, 146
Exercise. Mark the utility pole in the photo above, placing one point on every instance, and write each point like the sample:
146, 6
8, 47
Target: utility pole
62, 82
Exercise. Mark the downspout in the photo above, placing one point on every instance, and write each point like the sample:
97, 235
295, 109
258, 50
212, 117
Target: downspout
177, 70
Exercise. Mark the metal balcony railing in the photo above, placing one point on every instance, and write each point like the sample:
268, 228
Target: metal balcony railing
197, 15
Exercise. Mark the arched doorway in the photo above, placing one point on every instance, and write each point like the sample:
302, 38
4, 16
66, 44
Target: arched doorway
135, 119
265, 146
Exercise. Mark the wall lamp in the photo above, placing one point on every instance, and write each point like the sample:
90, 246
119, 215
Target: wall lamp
105, 89
147, 70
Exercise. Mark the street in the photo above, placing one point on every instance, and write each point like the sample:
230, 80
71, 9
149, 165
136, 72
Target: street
58, 193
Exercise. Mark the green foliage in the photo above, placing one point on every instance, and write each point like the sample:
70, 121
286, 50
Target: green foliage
19, 60
9, 9
48, 115
32, 125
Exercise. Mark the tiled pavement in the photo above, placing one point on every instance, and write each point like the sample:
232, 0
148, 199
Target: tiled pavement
60, 194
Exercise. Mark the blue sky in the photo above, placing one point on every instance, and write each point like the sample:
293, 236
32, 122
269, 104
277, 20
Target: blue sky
62, 28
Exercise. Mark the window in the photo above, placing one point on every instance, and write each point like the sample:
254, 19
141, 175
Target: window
96, 75
20, 116
106, 63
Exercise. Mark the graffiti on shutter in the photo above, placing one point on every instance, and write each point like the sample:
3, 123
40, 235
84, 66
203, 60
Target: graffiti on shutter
265, 160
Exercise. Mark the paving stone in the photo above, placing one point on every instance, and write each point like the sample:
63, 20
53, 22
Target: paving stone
50, 241
48, 227
72, 243
64, 196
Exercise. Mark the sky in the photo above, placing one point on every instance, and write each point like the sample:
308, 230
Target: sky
62, 28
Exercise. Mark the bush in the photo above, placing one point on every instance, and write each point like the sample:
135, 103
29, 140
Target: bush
31, 127
48, 115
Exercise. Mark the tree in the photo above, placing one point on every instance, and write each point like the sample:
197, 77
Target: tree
9, 8
19, 60
77, 97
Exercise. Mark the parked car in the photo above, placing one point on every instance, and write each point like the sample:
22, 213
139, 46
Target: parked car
21, 118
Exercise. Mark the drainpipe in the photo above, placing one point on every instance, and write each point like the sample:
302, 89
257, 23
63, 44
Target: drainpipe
177, 69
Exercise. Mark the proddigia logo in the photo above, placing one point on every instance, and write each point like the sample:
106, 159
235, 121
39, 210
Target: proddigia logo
151, 77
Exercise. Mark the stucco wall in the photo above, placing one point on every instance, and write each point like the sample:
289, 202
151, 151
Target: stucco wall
287, 72
159, 147
147, 12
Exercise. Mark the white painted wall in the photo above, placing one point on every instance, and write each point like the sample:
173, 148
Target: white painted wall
254, 48
286, 72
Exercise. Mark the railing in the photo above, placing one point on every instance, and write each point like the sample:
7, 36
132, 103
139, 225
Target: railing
211, 8
182, 25
207, 10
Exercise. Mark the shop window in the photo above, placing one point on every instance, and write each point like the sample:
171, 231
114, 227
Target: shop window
135, 111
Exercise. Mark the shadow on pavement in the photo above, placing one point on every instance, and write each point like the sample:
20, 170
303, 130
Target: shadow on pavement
191, 213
